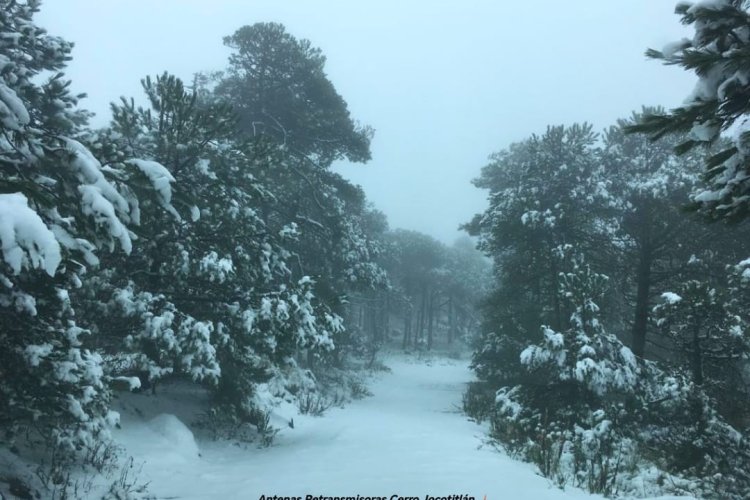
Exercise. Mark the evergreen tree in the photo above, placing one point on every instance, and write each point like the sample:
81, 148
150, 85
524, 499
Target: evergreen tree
652, 237
468, 280
58, 208
279, 88
698, 321
718, 54
702, 317
542, 194
415, 268
209, 293
584, 354
573, 401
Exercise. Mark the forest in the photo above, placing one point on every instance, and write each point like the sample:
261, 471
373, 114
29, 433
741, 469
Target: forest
202, 241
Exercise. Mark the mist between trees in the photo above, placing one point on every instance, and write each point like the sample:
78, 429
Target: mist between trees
200, 237
204, 238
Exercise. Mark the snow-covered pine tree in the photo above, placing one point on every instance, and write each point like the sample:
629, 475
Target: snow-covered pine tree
143, 328
542, 194
591, 413
718, 54
565, 415
281, 92
738, 302
209, 293
652, 238
277, 85
703, 318
584, 354
59, 205
697, 318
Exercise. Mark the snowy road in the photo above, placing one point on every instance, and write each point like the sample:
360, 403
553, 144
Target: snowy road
407, 439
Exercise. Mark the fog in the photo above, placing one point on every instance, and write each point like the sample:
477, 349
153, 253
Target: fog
197, 300
444, 84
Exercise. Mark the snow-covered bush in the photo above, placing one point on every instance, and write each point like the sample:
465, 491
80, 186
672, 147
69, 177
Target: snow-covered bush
590, 414
479, 401
565, 416
699, 320
572, 445
496, 359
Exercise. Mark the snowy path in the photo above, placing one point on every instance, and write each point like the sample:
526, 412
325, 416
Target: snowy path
407, 439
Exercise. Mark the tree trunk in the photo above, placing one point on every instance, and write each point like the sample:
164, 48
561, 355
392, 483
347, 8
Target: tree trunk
385, 319
557, 320
361, 316
640, 322
407, 329
310, 359
421, 321
697, 355
451, 321
430, 323
373, 313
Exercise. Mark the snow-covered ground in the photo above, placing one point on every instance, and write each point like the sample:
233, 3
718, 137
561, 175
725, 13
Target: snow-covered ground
409, 439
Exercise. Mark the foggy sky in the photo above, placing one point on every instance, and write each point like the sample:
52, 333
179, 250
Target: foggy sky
444, 83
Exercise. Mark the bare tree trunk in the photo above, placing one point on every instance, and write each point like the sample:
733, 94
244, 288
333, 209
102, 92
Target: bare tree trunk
430, 324
385, 319
421, 322
373, 322
451, 321
407, 328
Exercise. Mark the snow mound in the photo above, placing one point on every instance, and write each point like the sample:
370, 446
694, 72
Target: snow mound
176, 435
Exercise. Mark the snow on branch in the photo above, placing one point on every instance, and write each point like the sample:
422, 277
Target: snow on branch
161, 180
26, 241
